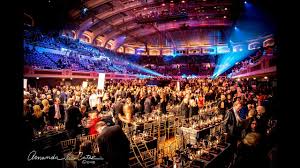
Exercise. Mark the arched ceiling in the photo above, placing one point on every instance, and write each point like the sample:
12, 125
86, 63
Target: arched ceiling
138, 19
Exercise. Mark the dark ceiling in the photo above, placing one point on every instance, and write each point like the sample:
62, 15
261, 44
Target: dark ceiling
136, 19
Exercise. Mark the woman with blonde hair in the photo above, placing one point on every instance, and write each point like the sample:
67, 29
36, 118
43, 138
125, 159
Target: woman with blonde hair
46, 106
250, 152
127, 115
38, 118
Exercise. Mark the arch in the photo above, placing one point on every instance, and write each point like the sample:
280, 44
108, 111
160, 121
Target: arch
109, 44
121, 49
86, 38
86, 24
167, 52
73, 34
98, 42
129, 50
269, 42
154, 52
29, 18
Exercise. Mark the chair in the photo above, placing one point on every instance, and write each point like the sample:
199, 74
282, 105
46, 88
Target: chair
129, 132
178, 141
88, 137
171, 127
171, 149
134, 158
143, 154
148, 128
68, 145
186, 138
155, 130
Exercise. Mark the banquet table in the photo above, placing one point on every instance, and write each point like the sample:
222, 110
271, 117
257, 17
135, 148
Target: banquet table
220, 160
197, 134
49, 139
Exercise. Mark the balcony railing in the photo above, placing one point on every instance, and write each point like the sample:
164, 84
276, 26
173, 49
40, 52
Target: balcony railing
266, 65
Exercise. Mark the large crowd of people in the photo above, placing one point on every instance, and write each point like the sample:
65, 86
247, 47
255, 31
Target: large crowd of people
247, 110
246, 107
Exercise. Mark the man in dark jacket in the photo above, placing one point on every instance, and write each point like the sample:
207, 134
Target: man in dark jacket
113, 145
56, 112
72, 119
147, 104
233, 123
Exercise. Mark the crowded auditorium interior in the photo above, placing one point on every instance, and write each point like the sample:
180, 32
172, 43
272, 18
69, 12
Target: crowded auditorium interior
150, 84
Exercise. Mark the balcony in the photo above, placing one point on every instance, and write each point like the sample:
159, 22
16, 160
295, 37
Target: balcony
265, 66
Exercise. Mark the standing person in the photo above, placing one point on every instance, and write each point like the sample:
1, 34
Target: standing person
118, 109
194, 109
222, 105
93, 100
113, 145
250, 152
229, 101
56, 112
38, 118
163, 104
244, 110
262, 118
92, 121
232, 123
200, 101
184, 107
84, 119
147, 104
72, 119
127, 118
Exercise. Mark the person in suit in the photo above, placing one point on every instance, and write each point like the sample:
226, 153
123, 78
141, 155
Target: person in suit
56, 112
262, 118
184, 107
232, 123
113, 145
85, 102
72, 119
163, 104
194, 109
222, 105
118, 109
147, 104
